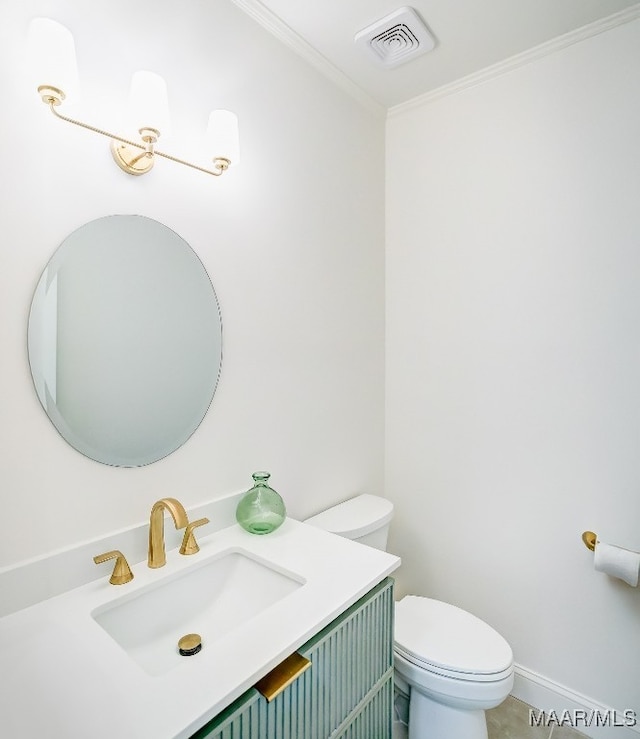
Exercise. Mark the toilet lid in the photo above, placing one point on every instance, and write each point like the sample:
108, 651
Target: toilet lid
430, 632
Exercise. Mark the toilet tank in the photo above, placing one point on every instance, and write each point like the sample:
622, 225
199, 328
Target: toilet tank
364, 518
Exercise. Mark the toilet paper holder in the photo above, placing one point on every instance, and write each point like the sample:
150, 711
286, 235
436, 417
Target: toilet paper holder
589, 539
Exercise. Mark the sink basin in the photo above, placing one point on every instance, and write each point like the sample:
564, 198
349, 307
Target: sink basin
211, 598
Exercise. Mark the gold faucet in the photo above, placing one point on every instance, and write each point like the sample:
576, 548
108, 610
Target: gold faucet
157, 555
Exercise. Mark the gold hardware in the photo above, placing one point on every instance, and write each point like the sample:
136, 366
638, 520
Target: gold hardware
49, 41
121, 570
157, 556
189, 543
51, 95
274, 682
189, 641
124, 151
190, 644
589, 539
130, 159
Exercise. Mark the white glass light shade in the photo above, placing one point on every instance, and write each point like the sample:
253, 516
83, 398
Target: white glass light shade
51, 56
148, 103
222, 136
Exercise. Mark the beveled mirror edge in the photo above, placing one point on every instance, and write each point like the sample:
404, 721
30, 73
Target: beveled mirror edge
170, 447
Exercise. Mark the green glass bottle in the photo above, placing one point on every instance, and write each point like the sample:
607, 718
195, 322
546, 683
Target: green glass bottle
260, 510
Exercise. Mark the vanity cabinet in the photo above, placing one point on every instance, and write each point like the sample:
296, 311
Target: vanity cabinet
346, 693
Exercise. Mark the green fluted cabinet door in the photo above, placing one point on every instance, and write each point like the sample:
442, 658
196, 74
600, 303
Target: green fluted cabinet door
347, 693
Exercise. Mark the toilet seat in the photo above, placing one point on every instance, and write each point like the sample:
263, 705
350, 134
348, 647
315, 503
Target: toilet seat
448, 641
454, 674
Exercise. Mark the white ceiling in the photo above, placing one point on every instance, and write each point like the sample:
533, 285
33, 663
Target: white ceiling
471, 35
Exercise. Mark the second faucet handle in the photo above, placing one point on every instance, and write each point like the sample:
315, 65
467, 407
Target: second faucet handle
121, 571
189, 543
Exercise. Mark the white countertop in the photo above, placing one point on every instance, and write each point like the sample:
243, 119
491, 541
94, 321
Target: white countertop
63, 676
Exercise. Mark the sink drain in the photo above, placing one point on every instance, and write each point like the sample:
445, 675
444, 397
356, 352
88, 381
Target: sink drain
190, 644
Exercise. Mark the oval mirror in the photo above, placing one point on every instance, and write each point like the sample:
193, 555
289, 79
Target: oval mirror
125, 340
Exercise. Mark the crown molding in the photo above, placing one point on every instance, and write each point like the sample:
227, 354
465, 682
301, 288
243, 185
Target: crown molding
284, 33
519, 60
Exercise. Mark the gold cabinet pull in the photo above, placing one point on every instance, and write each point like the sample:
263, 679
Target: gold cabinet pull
189, 543
121, 570
274, 682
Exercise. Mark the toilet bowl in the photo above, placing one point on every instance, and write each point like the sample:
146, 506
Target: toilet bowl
451, 665
454, 665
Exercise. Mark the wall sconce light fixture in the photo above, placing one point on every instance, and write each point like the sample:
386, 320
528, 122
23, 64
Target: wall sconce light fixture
51, 51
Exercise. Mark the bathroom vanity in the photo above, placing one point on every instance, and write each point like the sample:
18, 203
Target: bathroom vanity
347, 691
102, 661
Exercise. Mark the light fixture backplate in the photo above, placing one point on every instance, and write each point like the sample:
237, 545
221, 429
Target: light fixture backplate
125, 157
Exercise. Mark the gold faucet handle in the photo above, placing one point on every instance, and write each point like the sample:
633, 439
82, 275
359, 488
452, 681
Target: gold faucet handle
121, 570
189, 543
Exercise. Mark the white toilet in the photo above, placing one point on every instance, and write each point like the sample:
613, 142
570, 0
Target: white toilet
449, 664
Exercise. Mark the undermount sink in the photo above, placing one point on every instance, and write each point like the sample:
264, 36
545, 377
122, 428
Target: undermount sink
211, 599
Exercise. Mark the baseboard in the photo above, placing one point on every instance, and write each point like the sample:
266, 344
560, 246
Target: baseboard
545, 695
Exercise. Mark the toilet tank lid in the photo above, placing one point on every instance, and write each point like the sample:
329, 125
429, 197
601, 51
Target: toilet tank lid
355, 517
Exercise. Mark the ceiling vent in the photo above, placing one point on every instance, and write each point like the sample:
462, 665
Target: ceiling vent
397, 38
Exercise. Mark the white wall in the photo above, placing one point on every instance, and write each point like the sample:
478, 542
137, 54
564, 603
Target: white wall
292, 238
513, 356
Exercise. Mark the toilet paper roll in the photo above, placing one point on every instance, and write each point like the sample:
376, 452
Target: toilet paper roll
617, 562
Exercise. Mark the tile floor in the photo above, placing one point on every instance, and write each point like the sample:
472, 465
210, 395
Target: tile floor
510, 720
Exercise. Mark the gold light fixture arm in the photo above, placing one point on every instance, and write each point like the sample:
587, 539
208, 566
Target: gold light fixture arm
53, 102
136, 163
221, 164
